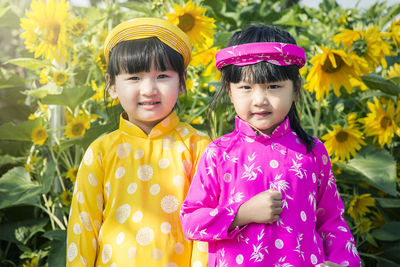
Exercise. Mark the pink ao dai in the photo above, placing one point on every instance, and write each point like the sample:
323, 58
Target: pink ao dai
239, 165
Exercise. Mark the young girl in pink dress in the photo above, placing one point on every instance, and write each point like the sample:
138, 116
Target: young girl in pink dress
264, 194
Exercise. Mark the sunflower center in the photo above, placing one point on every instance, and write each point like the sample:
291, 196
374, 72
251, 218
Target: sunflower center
386, 122
40, 134
77, 129
342, 137
52, 33
186, 22
329, 68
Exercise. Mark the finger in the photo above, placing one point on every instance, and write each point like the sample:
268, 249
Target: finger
275, 217
277, 203
277, 211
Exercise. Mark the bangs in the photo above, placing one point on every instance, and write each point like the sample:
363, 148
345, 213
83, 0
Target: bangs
262, 72
140, 55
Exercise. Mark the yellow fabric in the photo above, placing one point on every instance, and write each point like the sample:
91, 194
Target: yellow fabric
127, 197
140, 28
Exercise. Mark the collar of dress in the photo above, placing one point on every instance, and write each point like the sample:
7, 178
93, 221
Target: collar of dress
245, 129
162, 128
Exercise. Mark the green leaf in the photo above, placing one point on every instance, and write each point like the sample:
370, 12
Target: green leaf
377, 82
141, 7
7, 159
389, 202
289, 19
41, 92
57, 256
7, 17
20, 132
22, 231
91, 134
388, 232
17, 188
29, 63
70, 97
375, 166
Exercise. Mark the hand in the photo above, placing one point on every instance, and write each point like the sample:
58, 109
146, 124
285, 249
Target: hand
264, 207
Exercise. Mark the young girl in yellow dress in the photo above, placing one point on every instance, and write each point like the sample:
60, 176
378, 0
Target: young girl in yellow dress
132, 182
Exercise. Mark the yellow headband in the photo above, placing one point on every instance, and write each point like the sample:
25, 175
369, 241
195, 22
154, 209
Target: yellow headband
140, 28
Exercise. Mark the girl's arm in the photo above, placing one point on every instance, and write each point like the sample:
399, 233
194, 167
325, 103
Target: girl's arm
339, 245
202, 216
86, 212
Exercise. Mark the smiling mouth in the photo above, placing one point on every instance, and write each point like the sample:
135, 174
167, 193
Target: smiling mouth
263, 113
149, 103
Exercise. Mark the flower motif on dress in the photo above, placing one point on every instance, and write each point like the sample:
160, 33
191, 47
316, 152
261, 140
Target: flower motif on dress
241, 238
351, 247
274, 146
311, 199
331, 180
250, 170
235, 197
225, 157
296, 167
279, 185
280, 223
259, 251
282, 263
211, 154
298, 247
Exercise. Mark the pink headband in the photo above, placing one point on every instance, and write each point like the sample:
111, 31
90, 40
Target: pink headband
251, 53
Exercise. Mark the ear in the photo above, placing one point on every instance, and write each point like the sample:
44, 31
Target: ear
182, 88
112, 90
296, 90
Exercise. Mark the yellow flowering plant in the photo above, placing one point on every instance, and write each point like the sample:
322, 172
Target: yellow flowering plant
53, 105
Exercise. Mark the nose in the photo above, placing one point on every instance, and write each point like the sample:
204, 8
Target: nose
149, 87
260, 97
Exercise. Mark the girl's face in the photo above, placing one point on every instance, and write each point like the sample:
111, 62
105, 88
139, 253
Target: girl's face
147, 97
263, 106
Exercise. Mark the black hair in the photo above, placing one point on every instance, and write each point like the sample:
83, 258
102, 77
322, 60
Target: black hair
263, 72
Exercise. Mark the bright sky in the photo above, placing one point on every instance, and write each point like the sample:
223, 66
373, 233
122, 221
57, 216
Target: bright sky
349, 3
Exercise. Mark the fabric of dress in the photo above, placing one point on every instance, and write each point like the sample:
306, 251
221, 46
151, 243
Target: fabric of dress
238, 166
127, 196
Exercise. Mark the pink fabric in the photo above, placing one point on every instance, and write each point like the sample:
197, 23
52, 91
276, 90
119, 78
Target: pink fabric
239, 165
247, 54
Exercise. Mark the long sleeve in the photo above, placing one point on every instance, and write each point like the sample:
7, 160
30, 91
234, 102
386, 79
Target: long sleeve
86, 212
202, 216
339, 245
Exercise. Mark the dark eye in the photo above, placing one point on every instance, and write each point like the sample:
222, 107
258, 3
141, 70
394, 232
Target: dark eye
274, 86
245, 87
134, 78
162, 76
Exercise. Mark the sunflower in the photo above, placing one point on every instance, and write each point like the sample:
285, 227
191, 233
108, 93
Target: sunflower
78, 26
71, 174
100, 62
396, 32
99, 95
60, 77
192, 21
393, 71
66, 198
343, 142
44, 76
39, 136
380, 121
364, 225
77, 126
206, 59
46, 29
359, 206
366, 43
31, 263
377, 219
332, 67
